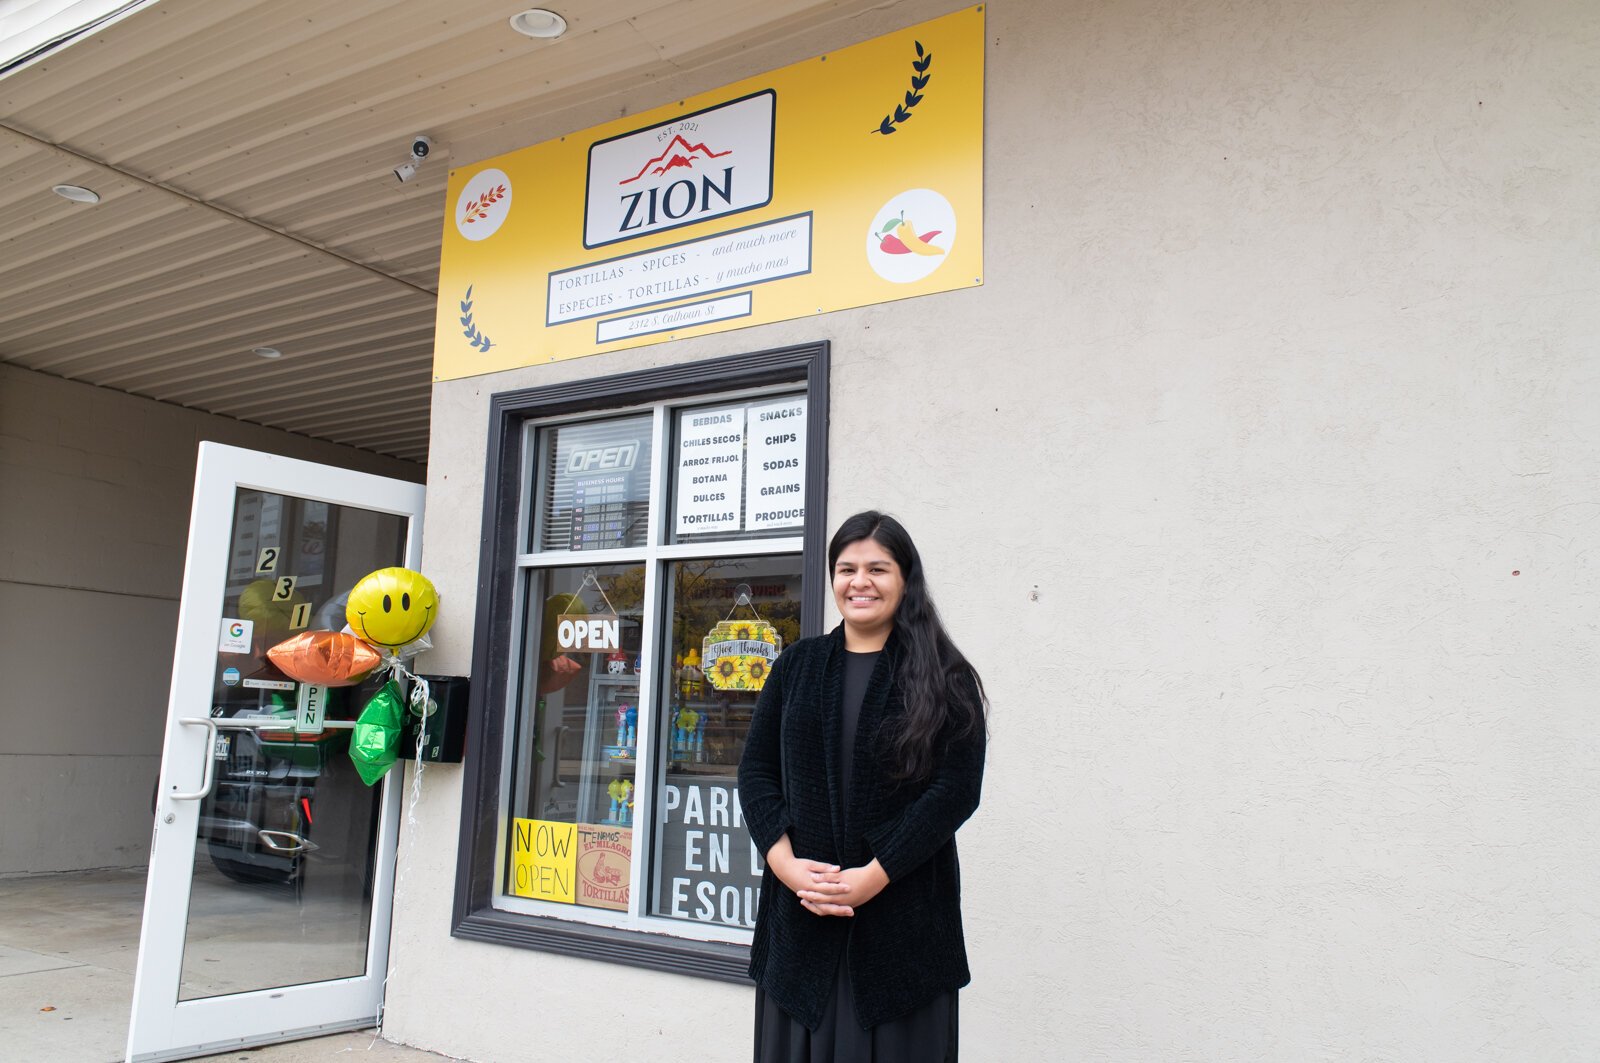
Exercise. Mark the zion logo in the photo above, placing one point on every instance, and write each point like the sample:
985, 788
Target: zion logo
699, 166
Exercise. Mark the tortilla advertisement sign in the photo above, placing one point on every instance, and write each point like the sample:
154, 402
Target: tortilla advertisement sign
837, 182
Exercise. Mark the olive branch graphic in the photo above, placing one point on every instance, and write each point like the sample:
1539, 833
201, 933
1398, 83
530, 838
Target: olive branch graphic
478, 209
470, 330
919, 81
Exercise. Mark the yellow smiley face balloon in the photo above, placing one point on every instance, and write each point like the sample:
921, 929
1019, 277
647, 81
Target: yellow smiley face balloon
392, 606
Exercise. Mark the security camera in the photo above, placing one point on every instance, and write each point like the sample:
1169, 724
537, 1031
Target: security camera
421, 146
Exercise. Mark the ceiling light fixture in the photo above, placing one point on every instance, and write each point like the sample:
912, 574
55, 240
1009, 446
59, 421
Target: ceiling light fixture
540, 23
76, 193
266, 352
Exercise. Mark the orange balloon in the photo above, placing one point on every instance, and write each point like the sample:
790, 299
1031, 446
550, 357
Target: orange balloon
326, 658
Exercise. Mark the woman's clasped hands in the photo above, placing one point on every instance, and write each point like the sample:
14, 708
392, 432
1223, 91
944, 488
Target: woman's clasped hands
825, 889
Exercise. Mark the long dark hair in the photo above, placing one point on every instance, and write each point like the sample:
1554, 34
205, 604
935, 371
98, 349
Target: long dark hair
944, 698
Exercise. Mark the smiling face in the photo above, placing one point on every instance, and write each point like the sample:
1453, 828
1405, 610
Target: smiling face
867, 587
392, 606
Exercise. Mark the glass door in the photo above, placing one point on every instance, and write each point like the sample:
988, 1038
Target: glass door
271, 870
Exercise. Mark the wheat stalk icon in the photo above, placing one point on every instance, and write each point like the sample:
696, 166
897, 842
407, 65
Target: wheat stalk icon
478, 209
477, 339
919, 81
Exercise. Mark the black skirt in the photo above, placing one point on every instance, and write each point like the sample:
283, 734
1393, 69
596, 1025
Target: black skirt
927, 1035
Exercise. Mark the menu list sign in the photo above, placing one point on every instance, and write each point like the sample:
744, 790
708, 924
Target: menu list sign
742, 467
775, 493
710, 469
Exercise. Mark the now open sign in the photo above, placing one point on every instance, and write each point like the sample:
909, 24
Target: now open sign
588, 633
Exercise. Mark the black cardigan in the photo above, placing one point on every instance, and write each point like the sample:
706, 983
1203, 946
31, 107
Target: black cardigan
905, 945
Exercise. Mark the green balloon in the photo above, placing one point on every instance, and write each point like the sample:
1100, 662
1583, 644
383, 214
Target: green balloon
375, 742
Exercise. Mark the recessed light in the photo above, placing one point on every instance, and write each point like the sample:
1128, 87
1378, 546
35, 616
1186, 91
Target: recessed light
76, 193
266, 352
538, 22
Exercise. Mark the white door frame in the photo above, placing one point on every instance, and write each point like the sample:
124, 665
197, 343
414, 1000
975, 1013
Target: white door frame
162, 1026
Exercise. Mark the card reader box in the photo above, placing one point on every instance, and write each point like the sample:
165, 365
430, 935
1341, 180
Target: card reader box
445, 730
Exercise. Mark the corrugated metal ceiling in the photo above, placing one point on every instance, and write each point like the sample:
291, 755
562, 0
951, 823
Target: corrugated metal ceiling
244, 155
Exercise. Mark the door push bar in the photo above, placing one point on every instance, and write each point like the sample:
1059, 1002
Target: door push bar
211, 725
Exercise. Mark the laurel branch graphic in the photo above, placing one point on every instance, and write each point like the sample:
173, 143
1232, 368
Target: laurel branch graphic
470, 330
919, 81
478, 209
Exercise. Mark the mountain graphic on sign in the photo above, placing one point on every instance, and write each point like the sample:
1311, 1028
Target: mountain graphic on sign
673, 157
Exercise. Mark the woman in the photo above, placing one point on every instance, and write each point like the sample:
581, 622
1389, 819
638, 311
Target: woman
864, 756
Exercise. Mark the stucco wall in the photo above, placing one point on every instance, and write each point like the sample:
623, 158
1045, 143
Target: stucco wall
95, 487
1259, 480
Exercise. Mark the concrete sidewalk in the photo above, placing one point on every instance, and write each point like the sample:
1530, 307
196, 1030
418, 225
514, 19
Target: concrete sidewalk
68, 944
360, 1047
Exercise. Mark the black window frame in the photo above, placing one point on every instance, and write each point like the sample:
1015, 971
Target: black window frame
474, 916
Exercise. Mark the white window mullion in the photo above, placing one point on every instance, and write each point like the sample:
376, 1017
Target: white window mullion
703, 551
644, 784
644, 787
515, 727
581, 558
658, 476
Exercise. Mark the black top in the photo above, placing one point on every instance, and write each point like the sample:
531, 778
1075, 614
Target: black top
857, 670
906, 947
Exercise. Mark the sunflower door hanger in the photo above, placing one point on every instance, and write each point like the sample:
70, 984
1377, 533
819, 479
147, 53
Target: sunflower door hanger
738, 654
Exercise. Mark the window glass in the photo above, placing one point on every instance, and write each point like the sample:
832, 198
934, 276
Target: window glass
283, 850
293, 564
584, 725
607, 833
727, 619
739, 470
571, 827
594, 485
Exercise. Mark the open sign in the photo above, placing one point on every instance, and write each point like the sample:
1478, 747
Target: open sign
591, 633
619, 458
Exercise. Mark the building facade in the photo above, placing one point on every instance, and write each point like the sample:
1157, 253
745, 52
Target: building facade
1253, 479
1254, 472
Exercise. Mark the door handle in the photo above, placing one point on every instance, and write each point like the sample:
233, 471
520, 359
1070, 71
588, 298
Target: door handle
296, 844
211, 758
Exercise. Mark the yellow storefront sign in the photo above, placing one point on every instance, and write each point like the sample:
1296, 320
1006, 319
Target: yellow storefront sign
849, 179
544, 859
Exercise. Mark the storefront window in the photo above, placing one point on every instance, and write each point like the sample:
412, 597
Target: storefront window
577, 792
577, 751
645, 569
741, 613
